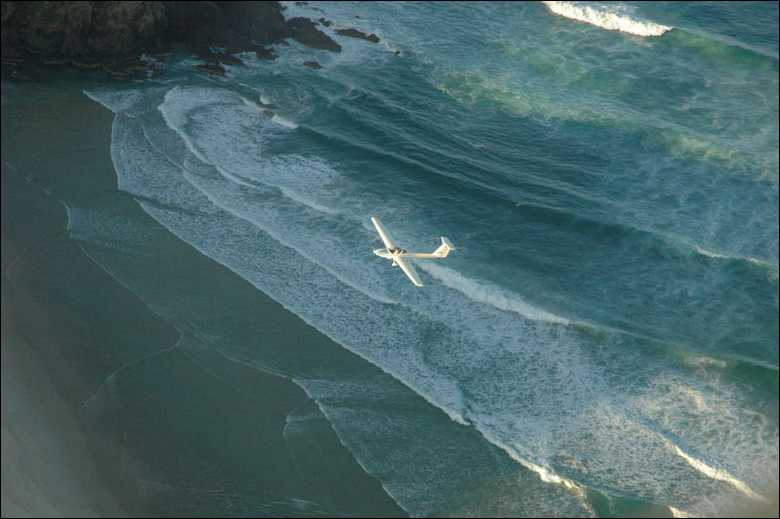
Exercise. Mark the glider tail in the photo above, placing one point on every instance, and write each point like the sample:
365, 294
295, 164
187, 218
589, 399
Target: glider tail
444, 249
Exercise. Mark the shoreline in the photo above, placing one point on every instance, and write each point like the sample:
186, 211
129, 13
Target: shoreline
81, 332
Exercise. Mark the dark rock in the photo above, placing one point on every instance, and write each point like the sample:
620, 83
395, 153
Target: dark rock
132, 61
86, 62
91, 34
326, 23
55, 61
12, 55
27, 70
8, 10
135, 67
220, 57
211, 69
17, 75
71, 29
119, 75
265, 53
305, 31
129, 67
354, 33
312, 64
232, 25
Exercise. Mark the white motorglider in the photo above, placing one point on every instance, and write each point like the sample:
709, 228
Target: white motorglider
401, 256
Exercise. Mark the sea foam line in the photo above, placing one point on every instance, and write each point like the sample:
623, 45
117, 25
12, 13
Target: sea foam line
606, 20
750, 259
718, 474
488, 294
545, 474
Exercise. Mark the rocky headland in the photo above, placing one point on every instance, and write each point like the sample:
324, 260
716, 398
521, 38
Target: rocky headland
114, 36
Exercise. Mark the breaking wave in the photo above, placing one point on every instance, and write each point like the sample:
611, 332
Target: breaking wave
606, 18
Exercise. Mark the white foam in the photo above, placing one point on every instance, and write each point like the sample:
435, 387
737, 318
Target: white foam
754, 362
487, 293
252, 104
545, 473
292, 195
671, 400
701, 361
115, 101
718, 474
750, 259
278, 119
710, 254
606, 19
676, 512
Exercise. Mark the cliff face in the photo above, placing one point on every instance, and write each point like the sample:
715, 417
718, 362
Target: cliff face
97, 30
231, 25
84, 29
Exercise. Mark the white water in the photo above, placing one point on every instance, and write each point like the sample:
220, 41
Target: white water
606, 17
484, 292
529, 384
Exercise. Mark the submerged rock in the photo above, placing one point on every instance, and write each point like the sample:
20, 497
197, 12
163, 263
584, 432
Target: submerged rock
265, 53
312, 64
220, 57
354, 33
211, 69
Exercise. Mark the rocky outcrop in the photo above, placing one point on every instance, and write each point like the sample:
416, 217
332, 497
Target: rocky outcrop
84, 29
354, 33
265, 53
235, 26
108, 34
306, 32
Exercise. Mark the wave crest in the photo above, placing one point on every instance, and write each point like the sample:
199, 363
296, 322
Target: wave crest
605, 19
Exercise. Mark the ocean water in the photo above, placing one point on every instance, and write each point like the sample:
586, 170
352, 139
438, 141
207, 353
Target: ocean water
604, 341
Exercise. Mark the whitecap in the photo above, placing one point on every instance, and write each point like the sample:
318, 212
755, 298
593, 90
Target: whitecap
606, 19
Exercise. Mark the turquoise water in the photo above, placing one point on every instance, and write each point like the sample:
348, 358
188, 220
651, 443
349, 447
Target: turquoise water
608, 327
